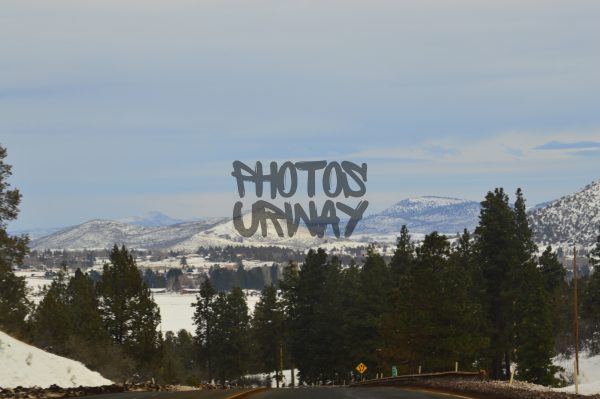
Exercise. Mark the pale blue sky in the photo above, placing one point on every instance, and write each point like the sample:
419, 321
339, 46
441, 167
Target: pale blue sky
113, 108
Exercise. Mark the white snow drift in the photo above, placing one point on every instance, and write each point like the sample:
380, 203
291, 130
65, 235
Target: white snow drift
27, 366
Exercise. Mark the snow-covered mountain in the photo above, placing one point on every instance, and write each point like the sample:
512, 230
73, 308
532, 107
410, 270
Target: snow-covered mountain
27, 366
225, 234
99, 234
423, 215
572, 217
556, 222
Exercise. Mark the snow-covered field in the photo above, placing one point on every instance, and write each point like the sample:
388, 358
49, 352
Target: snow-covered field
27, 366
589, 373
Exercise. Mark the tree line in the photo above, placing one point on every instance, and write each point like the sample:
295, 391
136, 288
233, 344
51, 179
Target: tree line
484, 300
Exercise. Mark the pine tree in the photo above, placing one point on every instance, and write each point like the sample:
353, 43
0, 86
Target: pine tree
594, 255
305, 298
403, 255
14, 306
534, 340
204, 320
560, 297
591, 299
553, 272
52, 320
465, 291
372, 303
128, 310
289, 289
268, 331
83, 306
315, 320
230, 341
498, 256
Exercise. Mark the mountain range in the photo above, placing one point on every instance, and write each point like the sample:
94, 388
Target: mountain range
423, 215
575, 216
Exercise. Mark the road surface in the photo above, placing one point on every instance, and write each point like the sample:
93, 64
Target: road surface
288, 393
348, 393
206, 394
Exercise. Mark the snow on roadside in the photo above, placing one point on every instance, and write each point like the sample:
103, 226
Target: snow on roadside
287, 377
589, 373
27, 366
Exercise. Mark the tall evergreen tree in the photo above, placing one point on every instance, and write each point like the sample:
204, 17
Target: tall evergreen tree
372, 302
315, 320
204, 321
52, 320
498, 256
84, 308
128, 310
435, 321
534, 340
553, 272
230, 341
14, 306
289, 289
403, 255
268, 331
591, 299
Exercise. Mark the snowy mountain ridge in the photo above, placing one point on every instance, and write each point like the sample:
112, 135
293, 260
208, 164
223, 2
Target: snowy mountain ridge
101, 234
557, 222
424, 215
574, 218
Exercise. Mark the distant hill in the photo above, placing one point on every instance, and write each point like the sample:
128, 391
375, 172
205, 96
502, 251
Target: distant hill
100, 234
574, 217
188, 236
423, 215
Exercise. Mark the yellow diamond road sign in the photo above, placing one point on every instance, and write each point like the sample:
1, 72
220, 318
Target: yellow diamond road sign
361, 368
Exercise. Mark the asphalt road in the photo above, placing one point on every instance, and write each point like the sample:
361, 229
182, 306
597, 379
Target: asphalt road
207, 394
288, 393
347, 393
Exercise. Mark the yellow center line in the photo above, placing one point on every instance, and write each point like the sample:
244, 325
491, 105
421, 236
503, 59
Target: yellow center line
246, 393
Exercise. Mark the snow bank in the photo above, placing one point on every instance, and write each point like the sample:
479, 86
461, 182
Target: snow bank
287, 377
589, 373
27, 366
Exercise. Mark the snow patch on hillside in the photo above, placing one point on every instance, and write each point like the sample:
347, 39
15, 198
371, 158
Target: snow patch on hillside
27, 366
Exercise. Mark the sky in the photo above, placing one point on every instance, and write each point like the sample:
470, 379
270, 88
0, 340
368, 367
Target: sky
115, 108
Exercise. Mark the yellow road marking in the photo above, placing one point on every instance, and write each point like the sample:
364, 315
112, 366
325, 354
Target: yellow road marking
246, 393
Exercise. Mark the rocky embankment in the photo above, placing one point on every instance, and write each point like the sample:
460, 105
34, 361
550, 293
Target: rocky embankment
476, 388
55, 391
